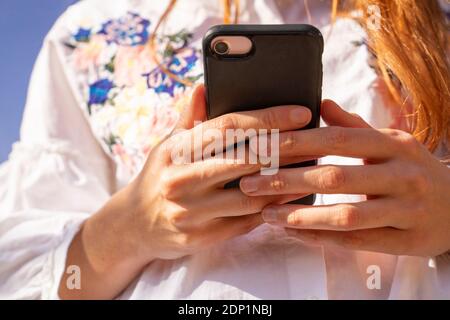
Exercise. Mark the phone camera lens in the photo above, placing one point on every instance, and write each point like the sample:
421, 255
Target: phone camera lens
221, 47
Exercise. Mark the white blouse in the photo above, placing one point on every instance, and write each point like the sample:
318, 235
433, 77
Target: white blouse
97, 104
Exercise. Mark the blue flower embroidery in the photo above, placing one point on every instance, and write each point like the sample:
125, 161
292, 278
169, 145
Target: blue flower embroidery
179, 65
83, 35
161, 82
130, 30
98, 91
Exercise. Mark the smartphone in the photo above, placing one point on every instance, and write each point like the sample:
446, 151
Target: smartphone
250, 67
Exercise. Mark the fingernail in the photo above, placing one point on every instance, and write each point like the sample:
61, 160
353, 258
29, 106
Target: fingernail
249, 184
270, 215
301, 115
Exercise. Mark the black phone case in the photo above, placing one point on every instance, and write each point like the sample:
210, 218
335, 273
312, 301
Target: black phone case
283, 68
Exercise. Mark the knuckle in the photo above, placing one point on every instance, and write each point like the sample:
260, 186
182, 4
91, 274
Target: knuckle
289, 140
347, 217
247, 204
226, 122
418, 181
393, 133
335, 137
278, 183
331, 178
179, 218
170, 185
167, 189
270, 119
404, 139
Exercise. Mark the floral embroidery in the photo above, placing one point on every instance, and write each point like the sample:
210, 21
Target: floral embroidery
130, 30
136, 120
98, 91
91, 53
83, 35
179, 65
131, 102
131, 63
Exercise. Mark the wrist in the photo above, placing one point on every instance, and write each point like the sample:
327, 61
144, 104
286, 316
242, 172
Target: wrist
116, 230
106, 251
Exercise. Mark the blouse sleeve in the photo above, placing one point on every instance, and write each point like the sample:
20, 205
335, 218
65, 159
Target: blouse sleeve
55, 178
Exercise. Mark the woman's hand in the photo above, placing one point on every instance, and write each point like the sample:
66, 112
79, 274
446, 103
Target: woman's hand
182, 208
407, 211
175, 209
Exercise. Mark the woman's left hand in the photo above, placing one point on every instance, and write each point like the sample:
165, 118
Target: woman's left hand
407, 211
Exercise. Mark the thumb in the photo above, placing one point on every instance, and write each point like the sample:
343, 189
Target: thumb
334, 115
195, 111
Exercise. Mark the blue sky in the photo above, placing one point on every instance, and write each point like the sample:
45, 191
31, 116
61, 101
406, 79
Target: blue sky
23, 25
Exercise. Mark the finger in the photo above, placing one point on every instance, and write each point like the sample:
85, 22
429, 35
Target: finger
223, 229
195, 111
218, 134
233, 128
383, 240
210, 173
334, 115
266, 169
349, 142
217, 171
339, 217
229, 203
328, 179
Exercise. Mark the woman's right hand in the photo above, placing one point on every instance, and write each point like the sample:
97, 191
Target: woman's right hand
181, 208
171, 210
